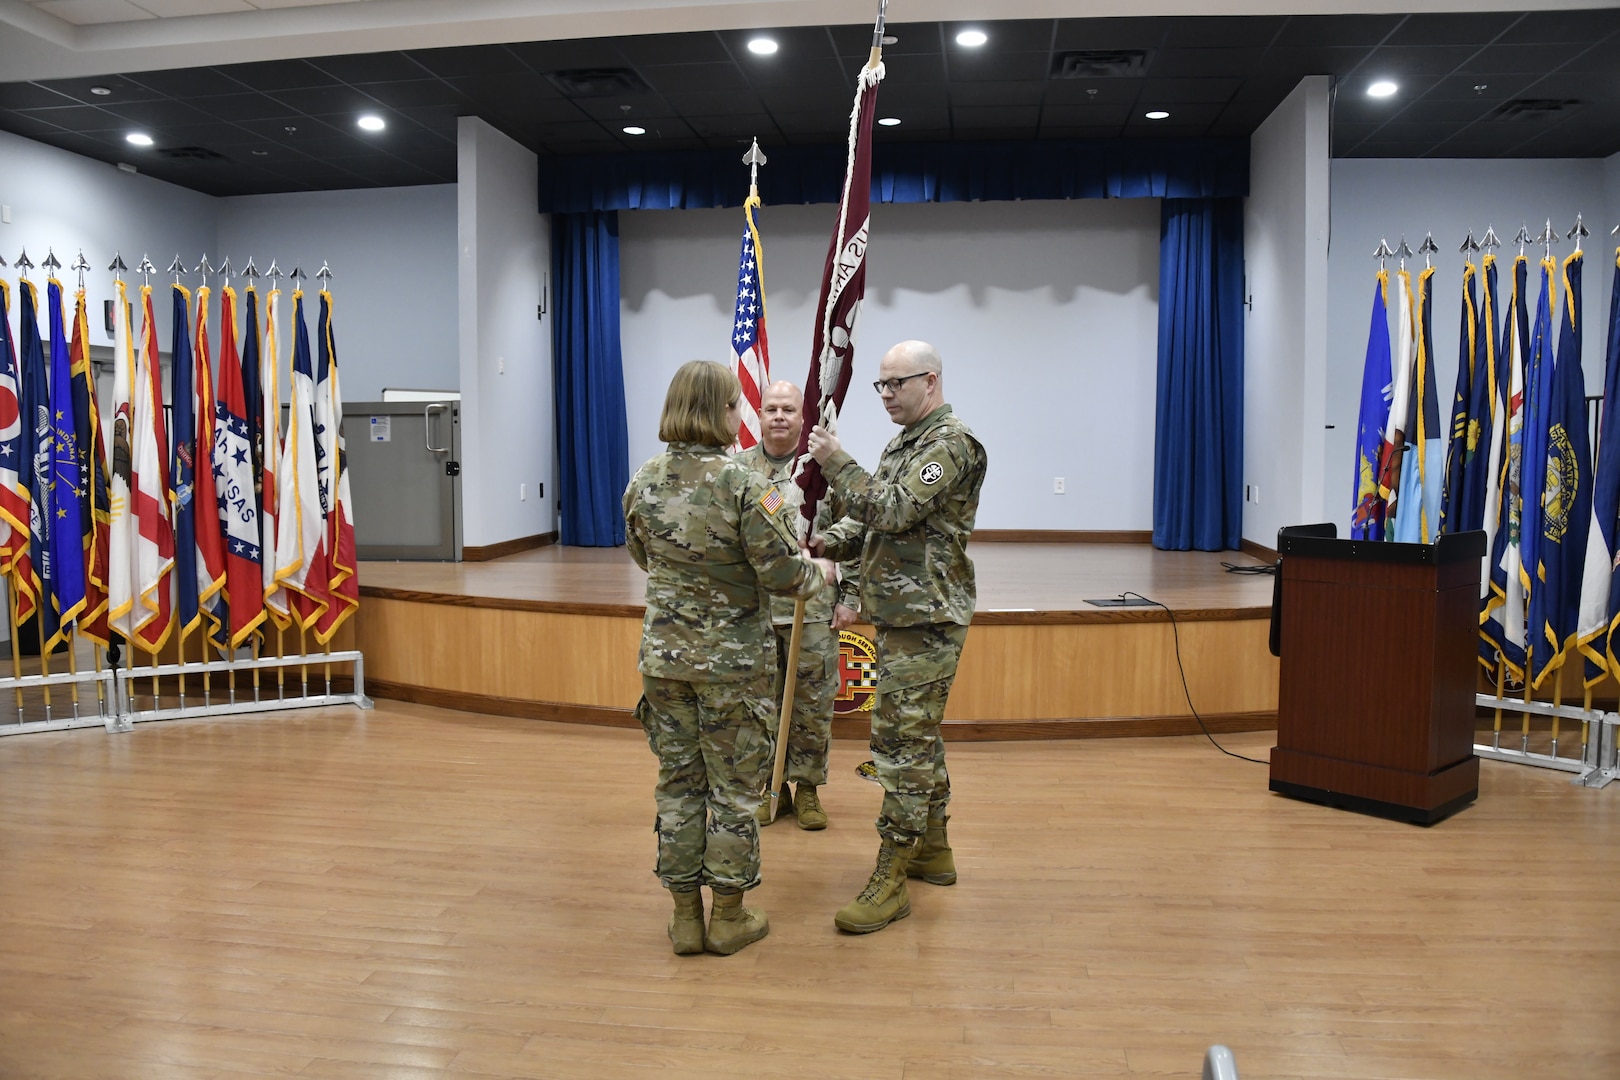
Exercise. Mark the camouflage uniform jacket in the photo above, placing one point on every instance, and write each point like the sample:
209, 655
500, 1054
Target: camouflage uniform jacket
915, 516
820, 608
714, 537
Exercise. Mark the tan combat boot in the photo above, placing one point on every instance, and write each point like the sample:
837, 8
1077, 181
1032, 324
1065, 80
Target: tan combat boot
807, 807
934, 862
686, 925
885, 898
732, 926
784, 805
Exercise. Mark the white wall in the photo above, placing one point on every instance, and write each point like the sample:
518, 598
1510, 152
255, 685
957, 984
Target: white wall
63, 202
1285, 247
1046, 315
1375, 199
508, 425
392, 256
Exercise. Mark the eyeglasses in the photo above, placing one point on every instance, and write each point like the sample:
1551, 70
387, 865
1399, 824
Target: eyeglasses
893, 385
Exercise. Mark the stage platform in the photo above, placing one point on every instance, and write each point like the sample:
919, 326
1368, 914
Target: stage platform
552, 634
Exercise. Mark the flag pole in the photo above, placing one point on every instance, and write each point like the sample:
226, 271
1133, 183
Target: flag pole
44, 654
790, 679
16, 651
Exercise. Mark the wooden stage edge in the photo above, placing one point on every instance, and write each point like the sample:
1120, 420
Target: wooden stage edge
845, 727
553, 634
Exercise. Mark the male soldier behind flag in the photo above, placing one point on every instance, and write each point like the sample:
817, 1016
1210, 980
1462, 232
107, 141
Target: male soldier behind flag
910, 523
781, 416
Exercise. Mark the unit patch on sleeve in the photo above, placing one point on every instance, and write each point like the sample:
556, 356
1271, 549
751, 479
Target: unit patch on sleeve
931, 473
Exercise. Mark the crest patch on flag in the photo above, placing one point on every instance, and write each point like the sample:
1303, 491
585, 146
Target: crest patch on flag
771, 501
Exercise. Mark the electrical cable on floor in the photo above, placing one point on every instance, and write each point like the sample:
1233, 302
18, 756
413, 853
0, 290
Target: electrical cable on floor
1269, 569
1185, 689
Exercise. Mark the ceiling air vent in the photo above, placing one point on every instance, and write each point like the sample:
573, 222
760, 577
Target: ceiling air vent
1099, 63
1532, 108
192, 153
597, 82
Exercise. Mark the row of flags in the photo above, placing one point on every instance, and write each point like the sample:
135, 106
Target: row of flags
1515, 460
210, 519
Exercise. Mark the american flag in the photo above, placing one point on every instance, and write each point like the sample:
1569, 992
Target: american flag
750, 355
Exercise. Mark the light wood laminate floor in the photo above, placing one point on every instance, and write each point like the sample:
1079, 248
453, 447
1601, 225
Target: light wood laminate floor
414, 893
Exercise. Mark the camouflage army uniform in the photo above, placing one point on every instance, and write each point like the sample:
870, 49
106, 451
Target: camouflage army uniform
711, 535
912, 520
810, 730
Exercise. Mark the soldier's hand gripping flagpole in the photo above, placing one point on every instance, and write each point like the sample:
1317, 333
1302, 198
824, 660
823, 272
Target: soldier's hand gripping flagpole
843, 284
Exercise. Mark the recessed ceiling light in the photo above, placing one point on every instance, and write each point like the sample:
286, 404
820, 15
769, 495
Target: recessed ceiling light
971, 38
762, 46
1382, 88
289, 129
100, 91
634, 130
371, 123
890, 39
890, 121
1157, 114
137, 138
261, 153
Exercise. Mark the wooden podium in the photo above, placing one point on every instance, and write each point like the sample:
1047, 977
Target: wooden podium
1377, 641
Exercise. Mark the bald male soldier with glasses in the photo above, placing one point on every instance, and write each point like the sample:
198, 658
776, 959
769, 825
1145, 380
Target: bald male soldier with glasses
909, 522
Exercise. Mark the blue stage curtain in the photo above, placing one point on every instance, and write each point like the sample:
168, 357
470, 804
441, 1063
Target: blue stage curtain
593, 444
905, 173
1198, 441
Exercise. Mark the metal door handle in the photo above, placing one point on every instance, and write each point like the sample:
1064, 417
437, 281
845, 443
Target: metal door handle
427, 426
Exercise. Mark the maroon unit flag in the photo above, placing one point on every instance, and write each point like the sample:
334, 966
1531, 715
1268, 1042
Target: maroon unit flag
843, 285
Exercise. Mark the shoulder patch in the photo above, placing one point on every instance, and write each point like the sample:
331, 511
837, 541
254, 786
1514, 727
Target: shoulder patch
931, 472
771, 501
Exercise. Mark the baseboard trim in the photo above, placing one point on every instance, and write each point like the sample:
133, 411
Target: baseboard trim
507, 547
1258, 551
1062, 536
844, 727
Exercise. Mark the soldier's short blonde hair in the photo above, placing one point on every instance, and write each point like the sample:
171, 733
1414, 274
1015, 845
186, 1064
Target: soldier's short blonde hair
695, 406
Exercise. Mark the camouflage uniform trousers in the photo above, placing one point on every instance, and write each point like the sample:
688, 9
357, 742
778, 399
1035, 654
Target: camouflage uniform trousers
916, 667
714, 756
810, 730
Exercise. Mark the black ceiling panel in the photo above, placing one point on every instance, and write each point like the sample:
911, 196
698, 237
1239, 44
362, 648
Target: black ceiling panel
1223, 32
1202, 63
1006, 37
694, 78
1127, 33
1338, 30
911, 40
1216, 75
276, 75
468, 60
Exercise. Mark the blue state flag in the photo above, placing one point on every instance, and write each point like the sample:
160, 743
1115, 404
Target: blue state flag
183, 464
1600, 584
1502, 626
1566, 499
1476, 482
1464, 438
1538, 377
35, 406
1367, 510
67, 531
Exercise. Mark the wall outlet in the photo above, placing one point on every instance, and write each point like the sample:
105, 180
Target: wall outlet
523, 492
540, 489
1057, 485
1251, 493
500, 365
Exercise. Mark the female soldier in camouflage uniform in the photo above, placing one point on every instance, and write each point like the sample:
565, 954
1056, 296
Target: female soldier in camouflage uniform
713, 536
